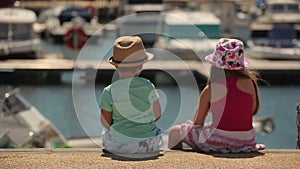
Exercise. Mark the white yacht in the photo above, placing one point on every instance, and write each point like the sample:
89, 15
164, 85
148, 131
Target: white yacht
276, 34
141, 18
190, 35
17, 36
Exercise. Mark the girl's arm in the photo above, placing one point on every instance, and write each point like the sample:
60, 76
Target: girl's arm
157, 109
203, 107
106, 118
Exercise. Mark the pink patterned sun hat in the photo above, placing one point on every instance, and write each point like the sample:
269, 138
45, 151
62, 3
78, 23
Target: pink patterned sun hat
229, 54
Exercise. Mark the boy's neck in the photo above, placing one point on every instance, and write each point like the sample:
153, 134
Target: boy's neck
125, 76
130, 74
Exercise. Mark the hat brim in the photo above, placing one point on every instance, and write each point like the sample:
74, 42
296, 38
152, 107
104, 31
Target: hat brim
209, 58
149, 56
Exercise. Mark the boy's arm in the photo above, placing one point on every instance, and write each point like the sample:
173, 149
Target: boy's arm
106, 118
157, 109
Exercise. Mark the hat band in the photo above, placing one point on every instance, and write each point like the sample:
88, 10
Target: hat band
127, 62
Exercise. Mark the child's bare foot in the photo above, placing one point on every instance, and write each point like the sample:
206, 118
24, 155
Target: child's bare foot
260, 146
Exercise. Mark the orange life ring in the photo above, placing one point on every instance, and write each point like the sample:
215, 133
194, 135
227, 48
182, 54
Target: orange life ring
92, 9
75, 38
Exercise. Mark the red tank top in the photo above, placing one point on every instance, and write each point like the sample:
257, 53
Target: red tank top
233, 112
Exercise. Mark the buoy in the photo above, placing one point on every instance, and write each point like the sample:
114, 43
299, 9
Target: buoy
75, 38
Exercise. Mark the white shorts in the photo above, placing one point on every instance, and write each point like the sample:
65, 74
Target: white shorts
149, 145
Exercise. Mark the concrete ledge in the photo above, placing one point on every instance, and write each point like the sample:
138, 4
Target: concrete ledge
94, 158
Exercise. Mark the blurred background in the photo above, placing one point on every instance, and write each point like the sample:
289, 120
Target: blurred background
53, 62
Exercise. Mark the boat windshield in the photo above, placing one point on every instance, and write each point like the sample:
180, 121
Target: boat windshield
279, 8
281, 36
13, 105
293, 8
68, 14
16, 31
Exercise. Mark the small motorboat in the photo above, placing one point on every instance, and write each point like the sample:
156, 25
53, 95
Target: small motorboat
17, 36
70, 25
23, 126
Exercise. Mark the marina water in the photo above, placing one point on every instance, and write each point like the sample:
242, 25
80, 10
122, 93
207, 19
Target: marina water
56, 102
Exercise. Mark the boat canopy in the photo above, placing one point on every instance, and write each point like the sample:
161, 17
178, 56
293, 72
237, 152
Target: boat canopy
192, 25
69, 13
17, 15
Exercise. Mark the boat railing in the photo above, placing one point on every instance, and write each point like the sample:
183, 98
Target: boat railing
277, 43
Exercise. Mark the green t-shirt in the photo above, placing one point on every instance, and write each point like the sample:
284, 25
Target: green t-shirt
131, 103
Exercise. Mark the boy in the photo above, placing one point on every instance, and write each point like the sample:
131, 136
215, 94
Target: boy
130, 105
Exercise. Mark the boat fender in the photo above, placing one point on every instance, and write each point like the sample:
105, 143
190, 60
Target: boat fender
75, 38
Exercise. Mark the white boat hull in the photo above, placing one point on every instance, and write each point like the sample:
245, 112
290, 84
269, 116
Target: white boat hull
266, 52
20, 47
186, 49
18, 38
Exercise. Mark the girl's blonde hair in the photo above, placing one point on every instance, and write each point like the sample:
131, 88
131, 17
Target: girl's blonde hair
218, 73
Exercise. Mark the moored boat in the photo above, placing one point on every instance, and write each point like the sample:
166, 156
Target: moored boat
17, 36
276, 34
141, 18
190, 35
70, 25
25, 126
22, 125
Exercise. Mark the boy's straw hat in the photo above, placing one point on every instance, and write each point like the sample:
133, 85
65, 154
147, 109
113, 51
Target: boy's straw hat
129, 51
229, 54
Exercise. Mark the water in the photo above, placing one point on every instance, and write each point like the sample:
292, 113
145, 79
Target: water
76, 114
56, 103
280, 102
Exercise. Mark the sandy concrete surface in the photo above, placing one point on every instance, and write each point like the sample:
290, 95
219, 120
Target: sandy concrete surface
94, 158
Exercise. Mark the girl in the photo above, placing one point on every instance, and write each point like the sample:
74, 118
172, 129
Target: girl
231, 95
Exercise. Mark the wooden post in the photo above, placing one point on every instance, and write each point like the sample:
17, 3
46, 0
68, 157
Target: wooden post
298, 125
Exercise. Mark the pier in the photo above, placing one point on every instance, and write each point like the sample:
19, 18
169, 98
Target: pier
273, 71
93, 158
